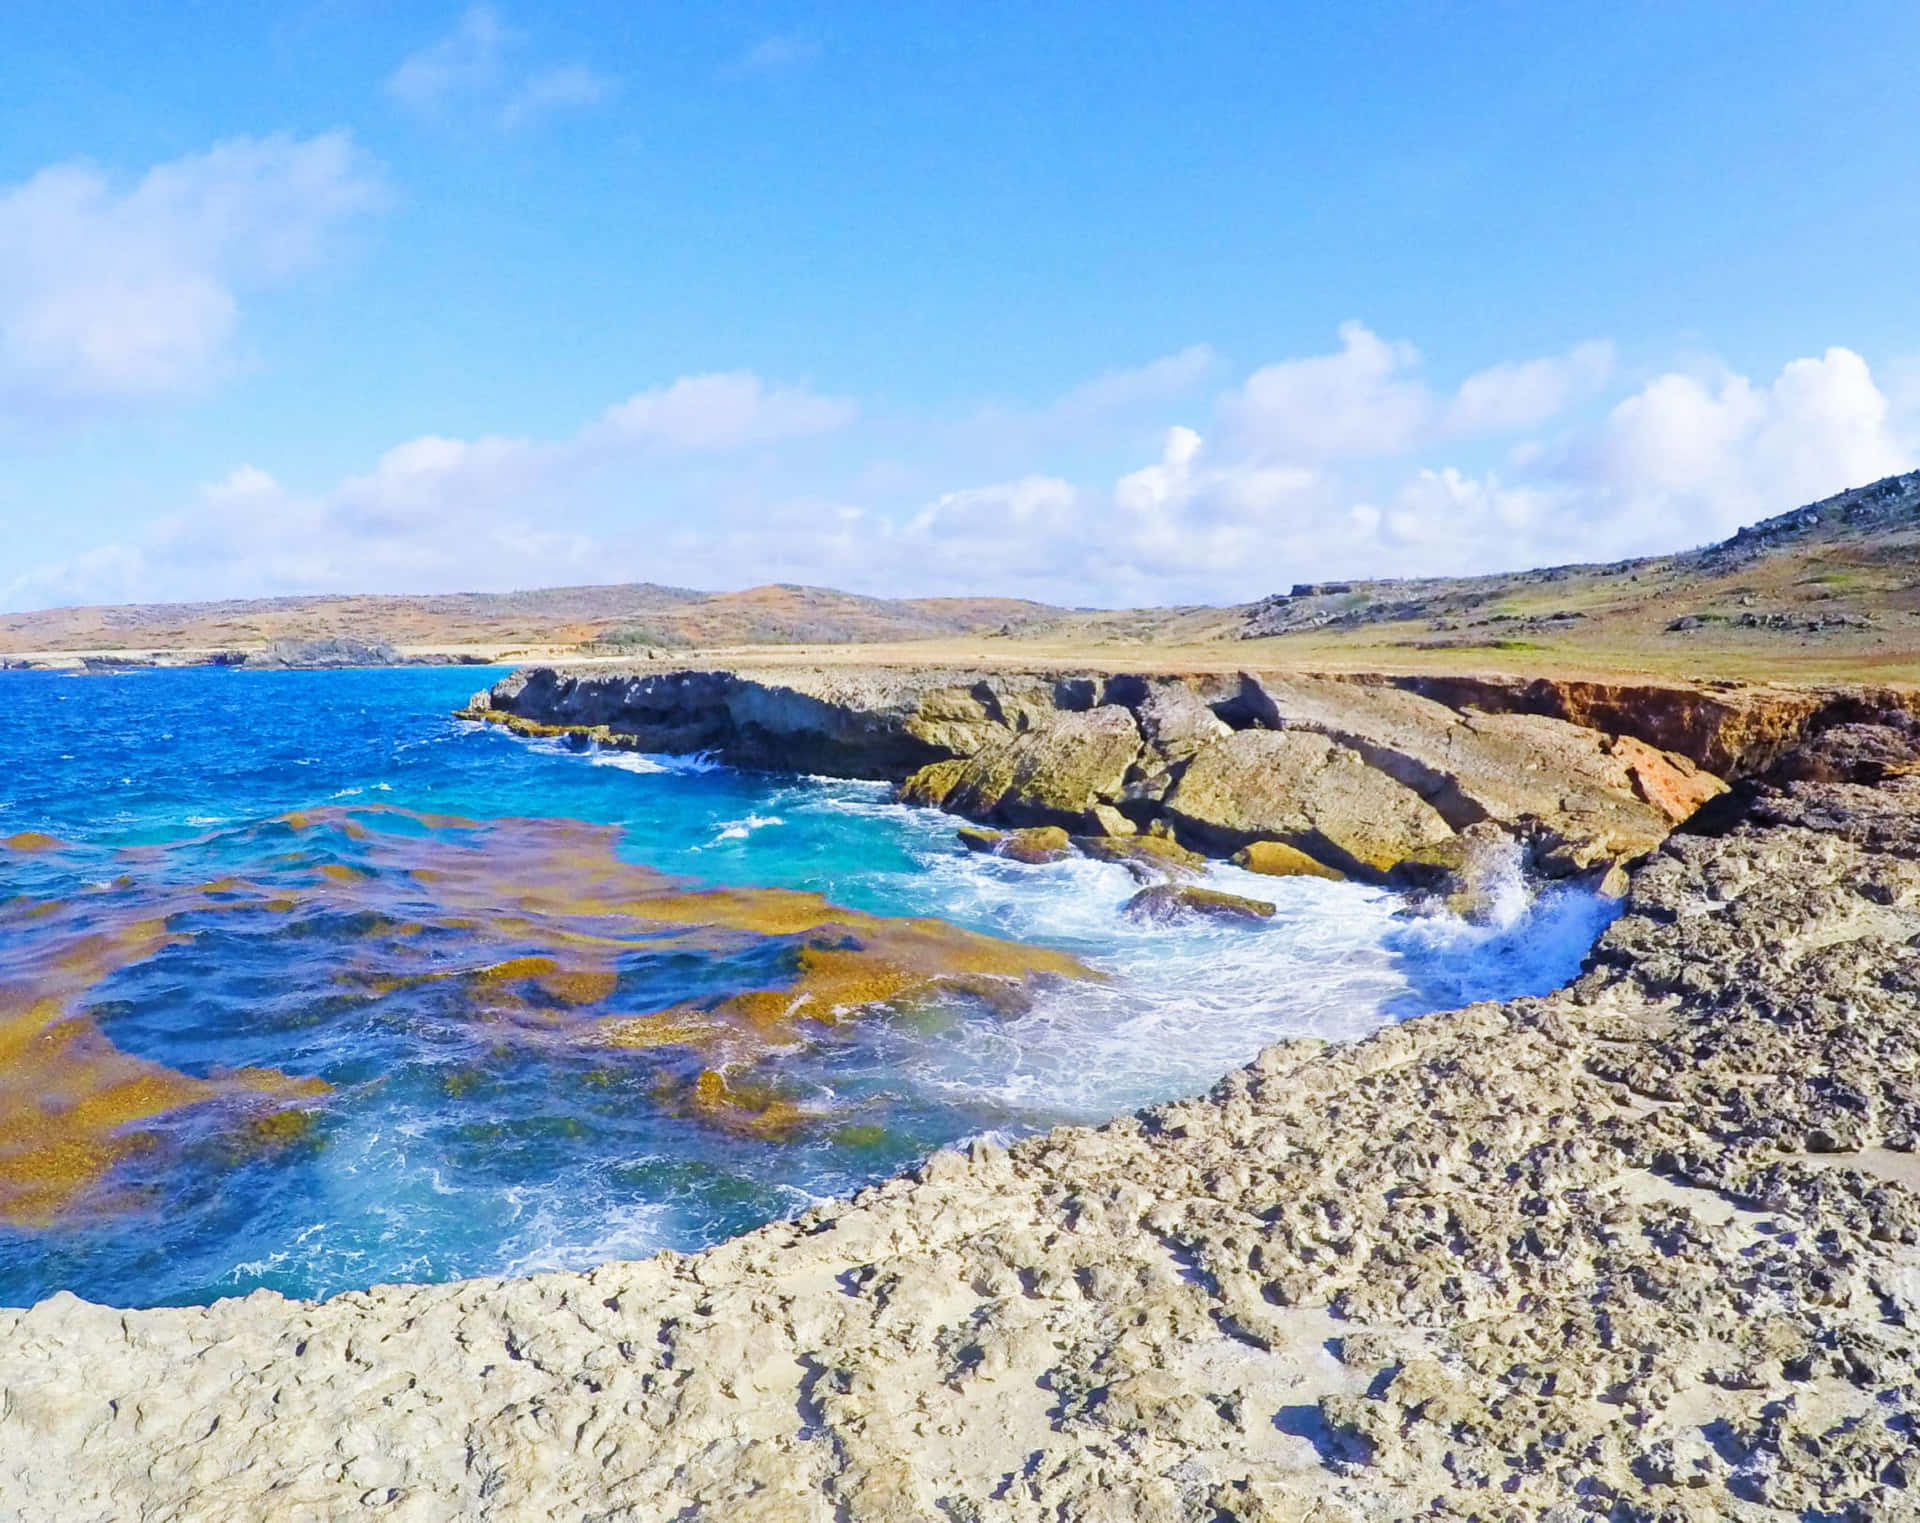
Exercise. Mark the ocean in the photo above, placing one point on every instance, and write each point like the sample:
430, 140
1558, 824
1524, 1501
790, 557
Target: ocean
306, 985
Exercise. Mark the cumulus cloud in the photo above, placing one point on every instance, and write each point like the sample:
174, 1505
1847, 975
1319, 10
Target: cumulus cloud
1506, 397
1360, 401
111, 293
1368, 400
436, 513
714, 481
1714, 452
474, 68
1685, 459
1682, 460
720, 412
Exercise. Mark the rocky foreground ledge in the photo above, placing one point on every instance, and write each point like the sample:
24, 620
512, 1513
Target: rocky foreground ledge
1648, 1248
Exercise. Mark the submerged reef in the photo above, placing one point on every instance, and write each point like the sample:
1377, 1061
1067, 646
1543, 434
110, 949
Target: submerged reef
534, 931
72, 1104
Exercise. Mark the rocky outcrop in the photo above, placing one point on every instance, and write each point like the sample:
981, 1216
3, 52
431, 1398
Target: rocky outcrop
1163, 902
1035, 845
1729, 729
1356, 774
1561, 786
1150, 858
1054, 774
1645, 1249
1275, 859
1307, 791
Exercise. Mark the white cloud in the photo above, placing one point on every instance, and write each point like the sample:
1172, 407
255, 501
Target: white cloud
437, 513
552, 90
704, 482
1165, 379
110, 294
1684, 460
720, 412
1366, 400
1506, 397
777, 54
473, 69
467, 61
1361, 401
1705, 454
1903, 386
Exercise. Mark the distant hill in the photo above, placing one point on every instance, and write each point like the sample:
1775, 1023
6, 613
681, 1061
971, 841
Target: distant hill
1827, 590
617, 618
1841, 575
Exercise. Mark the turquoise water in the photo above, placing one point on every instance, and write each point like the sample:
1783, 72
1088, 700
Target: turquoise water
322, 875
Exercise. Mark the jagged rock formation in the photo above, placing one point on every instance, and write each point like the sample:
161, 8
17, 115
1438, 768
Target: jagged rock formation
1730, 729
1646, 1249
324, 654
1356, 775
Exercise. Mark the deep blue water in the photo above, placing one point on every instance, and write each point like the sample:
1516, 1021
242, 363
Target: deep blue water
324, 875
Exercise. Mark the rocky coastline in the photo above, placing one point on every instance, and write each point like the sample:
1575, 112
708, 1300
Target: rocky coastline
1424, 783
1646, 1248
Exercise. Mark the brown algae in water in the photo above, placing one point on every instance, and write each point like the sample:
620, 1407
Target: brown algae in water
525, 926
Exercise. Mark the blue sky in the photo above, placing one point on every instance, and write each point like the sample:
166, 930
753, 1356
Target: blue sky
1116, 303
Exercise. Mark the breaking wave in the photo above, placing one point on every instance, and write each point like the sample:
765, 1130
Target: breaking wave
540, 1006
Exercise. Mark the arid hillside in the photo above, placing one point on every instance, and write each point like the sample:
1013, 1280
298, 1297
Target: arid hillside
611, 620
1828, 590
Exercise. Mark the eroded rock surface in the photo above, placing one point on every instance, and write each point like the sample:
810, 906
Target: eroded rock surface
1306, 791
1358, 774
1648, 1248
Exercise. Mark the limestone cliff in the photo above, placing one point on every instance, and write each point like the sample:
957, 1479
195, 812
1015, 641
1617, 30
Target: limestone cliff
1356, 774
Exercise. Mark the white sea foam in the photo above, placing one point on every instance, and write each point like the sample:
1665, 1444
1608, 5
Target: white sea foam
1185, 1002
1180, 1003
739, 830
649, 763
547, 1233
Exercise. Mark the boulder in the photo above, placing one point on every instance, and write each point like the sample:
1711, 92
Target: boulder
1278, 860
1148, 857
1053, 775
1468, 874
1554, 783
1306, 791
1671, 783
1109, 821
1175, 721
1042, 843
930, 786
1176, 901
